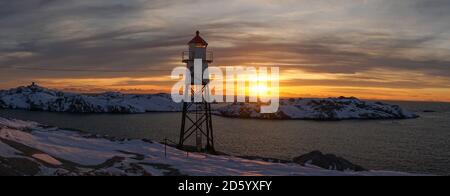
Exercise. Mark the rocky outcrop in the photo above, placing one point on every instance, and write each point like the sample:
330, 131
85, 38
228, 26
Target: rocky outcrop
327, 161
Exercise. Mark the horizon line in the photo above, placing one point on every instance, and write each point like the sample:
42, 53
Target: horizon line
150, 92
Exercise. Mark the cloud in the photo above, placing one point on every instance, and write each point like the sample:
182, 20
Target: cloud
118, 38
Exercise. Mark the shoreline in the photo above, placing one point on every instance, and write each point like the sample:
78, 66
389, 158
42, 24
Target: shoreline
73, 152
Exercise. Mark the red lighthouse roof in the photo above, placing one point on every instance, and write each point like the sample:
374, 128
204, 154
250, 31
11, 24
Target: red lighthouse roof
198, 40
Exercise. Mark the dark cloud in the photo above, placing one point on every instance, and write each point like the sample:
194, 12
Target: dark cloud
48, 38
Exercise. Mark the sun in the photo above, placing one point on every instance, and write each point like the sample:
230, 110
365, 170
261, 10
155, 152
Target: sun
260, 90
260, 85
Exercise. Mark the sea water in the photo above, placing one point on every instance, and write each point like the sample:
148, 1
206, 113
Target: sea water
419, 145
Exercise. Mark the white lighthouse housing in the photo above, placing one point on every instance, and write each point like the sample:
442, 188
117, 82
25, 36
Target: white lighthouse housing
197, 50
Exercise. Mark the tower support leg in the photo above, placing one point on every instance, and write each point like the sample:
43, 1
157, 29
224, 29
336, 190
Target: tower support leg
196, 121
183, 125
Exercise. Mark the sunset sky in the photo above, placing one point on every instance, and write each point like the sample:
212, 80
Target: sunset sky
373, 49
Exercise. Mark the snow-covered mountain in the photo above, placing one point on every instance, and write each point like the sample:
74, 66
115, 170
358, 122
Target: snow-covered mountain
34, 97
28, 148
320, 109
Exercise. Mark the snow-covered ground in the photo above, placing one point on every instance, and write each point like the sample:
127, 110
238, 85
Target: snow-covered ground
28, 148
320, 109
34, 97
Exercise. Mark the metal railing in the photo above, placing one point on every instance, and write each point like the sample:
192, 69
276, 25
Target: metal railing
190, 56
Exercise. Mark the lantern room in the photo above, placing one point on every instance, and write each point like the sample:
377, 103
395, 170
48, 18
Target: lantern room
197, 50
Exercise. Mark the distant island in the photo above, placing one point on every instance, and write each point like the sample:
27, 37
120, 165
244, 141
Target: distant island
34, 97
37, 98
342, 108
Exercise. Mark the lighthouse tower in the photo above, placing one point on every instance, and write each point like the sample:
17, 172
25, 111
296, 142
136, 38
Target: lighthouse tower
196, 117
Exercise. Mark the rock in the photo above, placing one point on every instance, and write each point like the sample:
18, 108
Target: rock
428, 111
327, 161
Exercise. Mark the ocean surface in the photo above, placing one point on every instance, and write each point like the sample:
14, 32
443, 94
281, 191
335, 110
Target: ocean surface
415, 145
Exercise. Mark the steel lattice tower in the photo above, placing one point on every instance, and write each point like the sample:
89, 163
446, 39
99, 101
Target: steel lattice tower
196, 116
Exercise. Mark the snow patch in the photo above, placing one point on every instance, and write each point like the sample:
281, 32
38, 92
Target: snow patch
47, 158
